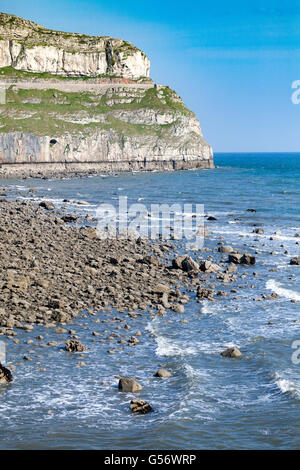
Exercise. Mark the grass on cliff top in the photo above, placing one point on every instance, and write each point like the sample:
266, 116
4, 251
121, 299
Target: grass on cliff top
47, 112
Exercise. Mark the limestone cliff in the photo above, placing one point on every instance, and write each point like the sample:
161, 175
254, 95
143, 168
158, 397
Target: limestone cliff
116, 121
27, 46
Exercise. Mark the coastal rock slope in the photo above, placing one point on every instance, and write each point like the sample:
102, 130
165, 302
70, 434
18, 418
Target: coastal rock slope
79, 104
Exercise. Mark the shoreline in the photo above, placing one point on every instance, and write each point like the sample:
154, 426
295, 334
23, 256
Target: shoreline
76, 169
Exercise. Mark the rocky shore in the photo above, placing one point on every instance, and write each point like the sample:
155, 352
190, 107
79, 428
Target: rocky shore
55, 269
54, 266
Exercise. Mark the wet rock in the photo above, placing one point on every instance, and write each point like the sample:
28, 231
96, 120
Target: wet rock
140, 406
178, 308
73, 345
225, 249
128, 384
231, 352
163, 373
209, 267
203, 293
189, 265
259, 231
5, 374
235, 258
238, 258
49, 206
133, 341
295, 261
60, 331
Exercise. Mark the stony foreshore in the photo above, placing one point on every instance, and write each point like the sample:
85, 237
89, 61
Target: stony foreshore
54, 267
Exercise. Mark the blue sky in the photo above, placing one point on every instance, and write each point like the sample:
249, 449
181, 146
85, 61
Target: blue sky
233, 62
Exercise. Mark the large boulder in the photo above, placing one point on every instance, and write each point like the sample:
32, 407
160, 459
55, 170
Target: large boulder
140, 406
203, 293
225, 249
185, 263
231, 352
248, 259
5, 374
238, 258
127, 384
209, 267
163, 373
73, 345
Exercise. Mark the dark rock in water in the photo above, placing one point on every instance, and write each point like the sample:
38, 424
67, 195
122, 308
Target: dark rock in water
163, 373
225, 249
5, 374
203, 293
133, 341
73, 345
237, 258
127, 384
248, 259
140, 406
273, 296
295, 261
178, 308
231, 352
211, 218
47, 205
251, 210
260, 231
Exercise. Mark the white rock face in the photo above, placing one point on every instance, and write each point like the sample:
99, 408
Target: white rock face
27, 46
54, 60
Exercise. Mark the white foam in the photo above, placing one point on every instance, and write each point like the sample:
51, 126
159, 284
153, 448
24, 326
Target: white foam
167, 347
285, 385
287, 293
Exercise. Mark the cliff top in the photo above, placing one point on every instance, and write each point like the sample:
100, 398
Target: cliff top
32, 34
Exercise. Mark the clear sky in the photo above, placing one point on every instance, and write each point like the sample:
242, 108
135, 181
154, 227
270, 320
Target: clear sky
233, 62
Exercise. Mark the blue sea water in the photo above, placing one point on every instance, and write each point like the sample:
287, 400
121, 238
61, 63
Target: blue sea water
210, 401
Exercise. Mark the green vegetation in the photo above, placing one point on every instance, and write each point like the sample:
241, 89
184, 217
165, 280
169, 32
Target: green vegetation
51, 112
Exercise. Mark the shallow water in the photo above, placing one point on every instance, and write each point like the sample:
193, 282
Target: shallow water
210, 401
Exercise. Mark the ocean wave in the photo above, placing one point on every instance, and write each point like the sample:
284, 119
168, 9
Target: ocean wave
286, 385
287, 293
167, 347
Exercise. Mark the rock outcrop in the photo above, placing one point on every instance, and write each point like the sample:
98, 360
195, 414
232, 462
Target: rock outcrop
118, 120
127, 384
5, 374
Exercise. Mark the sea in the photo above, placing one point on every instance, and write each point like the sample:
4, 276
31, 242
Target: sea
210, 402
